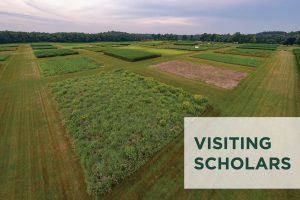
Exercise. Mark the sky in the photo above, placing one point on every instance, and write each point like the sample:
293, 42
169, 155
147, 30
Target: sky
151, 16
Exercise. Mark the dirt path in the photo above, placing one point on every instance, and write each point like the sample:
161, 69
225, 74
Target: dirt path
36, 158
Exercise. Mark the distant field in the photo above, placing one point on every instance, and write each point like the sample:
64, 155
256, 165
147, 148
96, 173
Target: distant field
246, 52
197, 47
272, 47
95, 49
186, 43
54, 52
250, 62
3, 48
3, 57
55, 66
118, 120
130, 54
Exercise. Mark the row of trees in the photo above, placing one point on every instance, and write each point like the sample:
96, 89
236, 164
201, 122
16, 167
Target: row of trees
113, 36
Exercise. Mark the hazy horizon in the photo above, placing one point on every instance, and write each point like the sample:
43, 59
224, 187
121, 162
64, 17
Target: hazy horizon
133, 16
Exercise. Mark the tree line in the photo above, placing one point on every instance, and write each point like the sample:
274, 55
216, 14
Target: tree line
274, 37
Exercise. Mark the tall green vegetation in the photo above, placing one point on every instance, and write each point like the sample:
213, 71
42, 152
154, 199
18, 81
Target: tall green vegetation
271, 47
118, 120
55, 66
237, 60
54, 52
37, 46
297, 54
130, 54
246, 52
3, 57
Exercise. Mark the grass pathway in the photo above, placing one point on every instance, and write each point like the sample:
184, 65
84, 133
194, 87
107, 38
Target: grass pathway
36, 159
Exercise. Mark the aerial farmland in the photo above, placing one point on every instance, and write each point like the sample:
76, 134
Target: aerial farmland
149, 100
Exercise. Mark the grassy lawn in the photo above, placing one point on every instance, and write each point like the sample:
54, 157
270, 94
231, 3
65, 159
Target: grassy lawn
55, 66
110, 142
130, 54
251, 62
54, 52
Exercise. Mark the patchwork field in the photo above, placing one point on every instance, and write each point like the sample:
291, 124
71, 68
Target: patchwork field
223, 78
246, 61
98, 142
54, 52
110, 142
246, 52
3, 57
55, 66
130, 54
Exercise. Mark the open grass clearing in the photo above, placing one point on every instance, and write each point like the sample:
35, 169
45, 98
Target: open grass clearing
271, 47
237, 60
223, 78
63, 65
3, 57
118, 120
130, 54
246, 52
54, 52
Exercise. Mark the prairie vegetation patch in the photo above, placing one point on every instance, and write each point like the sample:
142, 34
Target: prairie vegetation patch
223, 78
54, 52
237, 60
55, 66
38, 46
118, 120
271, 47
130, 54
246, 52
195, 47
8, 47
3, 57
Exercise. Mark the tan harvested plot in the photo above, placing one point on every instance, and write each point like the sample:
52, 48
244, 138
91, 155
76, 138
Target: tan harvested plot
223, 78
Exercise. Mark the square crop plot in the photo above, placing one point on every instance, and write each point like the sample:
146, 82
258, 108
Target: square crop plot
54, 52
56, 66
223, 78
118, 120
130, 54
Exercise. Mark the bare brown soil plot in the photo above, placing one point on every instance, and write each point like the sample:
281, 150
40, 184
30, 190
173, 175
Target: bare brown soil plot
223, 78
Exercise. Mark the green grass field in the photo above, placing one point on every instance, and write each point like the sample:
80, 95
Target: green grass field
4, 48
56, 66
246, 61
130, 54
110, 143
246, 52
271, 47
297, 54
54, 52
39, 160
3, 57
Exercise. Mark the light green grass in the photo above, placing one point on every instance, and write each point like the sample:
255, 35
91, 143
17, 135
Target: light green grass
55, 66
54, 52
246, 61
110, 142
130, 54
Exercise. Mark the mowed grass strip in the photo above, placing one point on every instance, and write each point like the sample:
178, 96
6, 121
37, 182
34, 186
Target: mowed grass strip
54, 52
246, 52
237, 60
130, 54
3, 57
56, 66
271, 47
118, 120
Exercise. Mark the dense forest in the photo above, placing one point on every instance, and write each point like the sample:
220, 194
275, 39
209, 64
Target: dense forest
277, 37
